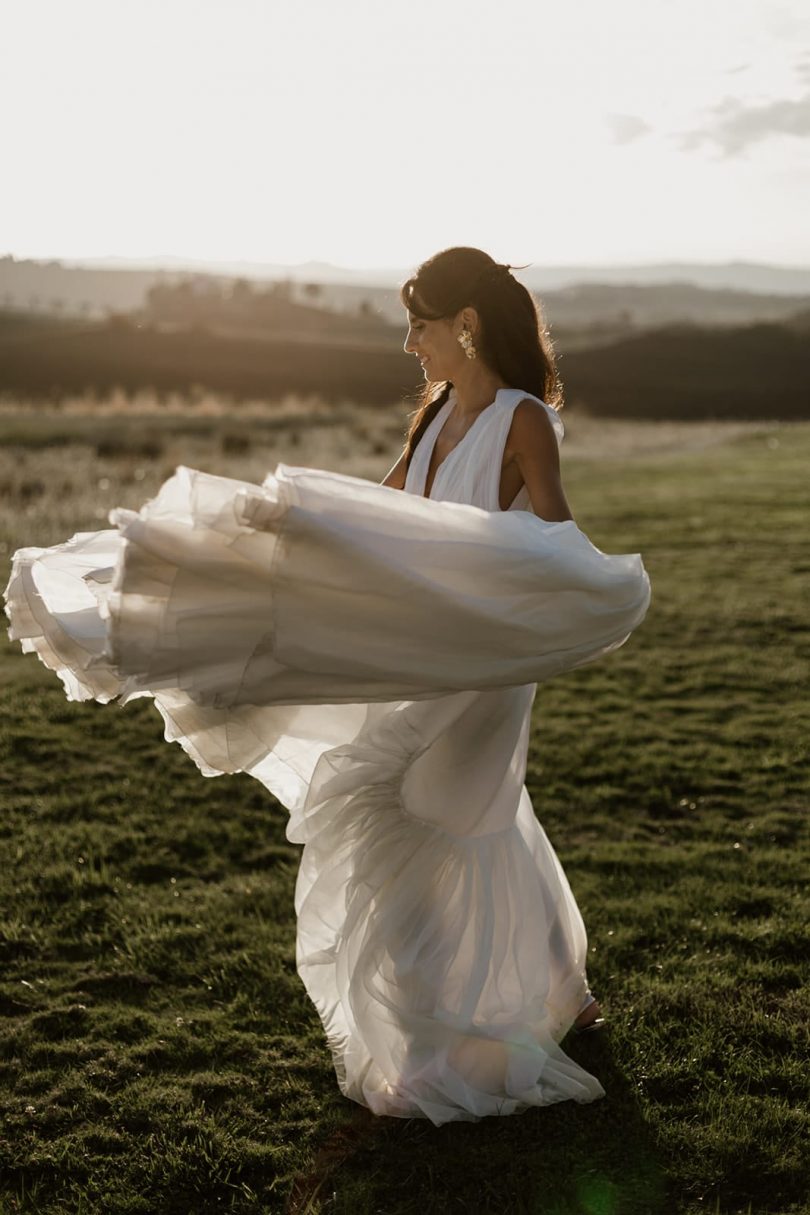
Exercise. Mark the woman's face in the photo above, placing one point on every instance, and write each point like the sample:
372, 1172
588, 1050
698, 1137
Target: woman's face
436, 345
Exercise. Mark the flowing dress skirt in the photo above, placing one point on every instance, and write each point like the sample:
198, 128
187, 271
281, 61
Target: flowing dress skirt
371, 657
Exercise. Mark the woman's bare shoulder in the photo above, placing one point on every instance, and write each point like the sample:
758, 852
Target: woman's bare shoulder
531, 428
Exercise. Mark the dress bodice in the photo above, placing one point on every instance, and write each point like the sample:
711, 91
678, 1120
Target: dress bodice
478, 760
471, 473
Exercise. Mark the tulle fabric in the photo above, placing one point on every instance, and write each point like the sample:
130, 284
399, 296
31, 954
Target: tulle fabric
319, 586
371, 657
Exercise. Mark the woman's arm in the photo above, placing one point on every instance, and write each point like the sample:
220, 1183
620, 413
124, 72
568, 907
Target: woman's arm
396, 477
532, 445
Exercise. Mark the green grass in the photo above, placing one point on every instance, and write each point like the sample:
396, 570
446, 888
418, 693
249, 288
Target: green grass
159, 1053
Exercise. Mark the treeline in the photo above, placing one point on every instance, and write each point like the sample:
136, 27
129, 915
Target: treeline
241, 308
681, 371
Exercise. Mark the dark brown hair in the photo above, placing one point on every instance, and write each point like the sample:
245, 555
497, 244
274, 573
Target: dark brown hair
512, 338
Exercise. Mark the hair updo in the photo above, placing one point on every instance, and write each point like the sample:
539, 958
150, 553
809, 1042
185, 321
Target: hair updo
512, 339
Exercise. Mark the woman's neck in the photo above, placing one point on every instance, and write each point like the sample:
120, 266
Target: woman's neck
476, 390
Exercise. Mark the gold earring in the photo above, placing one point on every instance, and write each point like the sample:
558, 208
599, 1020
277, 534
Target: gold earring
465, 337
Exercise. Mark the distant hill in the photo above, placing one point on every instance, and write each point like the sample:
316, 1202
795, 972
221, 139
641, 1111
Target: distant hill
756, 277
53, 288
684, 371
679, 371
48, 361
241, 309
651, 306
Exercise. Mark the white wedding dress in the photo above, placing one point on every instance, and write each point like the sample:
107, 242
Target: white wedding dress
371, 656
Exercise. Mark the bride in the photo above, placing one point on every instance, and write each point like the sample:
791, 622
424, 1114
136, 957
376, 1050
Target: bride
501, 335
370, 653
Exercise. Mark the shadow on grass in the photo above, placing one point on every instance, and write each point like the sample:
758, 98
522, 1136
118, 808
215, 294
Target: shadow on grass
564, 1159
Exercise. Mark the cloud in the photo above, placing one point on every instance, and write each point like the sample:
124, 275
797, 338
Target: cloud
733, 126
626, 127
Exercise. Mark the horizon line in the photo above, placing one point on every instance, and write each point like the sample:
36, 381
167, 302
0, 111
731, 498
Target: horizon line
76, 261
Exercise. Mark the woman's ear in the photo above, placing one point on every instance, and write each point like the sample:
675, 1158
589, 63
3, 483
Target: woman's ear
469, 319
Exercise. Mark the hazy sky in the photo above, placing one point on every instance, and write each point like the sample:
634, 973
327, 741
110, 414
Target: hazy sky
367, 133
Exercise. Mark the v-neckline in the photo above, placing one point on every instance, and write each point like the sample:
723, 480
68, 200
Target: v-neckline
444, 414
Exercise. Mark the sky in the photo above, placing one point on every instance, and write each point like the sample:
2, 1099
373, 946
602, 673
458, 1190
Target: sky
370, 134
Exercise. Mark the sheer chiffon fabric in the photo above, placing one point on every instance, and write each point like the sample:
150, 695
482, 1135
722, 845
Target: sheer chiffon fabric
371, 657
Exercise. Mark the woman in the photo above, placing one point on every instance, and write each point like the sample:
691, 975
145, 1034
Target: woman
477, 304
371, 657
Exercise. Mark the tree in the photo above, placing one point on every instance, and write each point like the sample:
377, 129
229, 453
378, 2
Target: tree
282, 289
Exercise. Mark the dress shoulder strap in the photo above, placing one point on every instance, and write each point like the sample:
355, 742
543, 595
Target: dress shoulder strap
514, 395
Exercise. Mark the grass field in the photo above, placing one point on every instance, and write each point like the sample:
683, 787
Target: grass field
159, 1053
